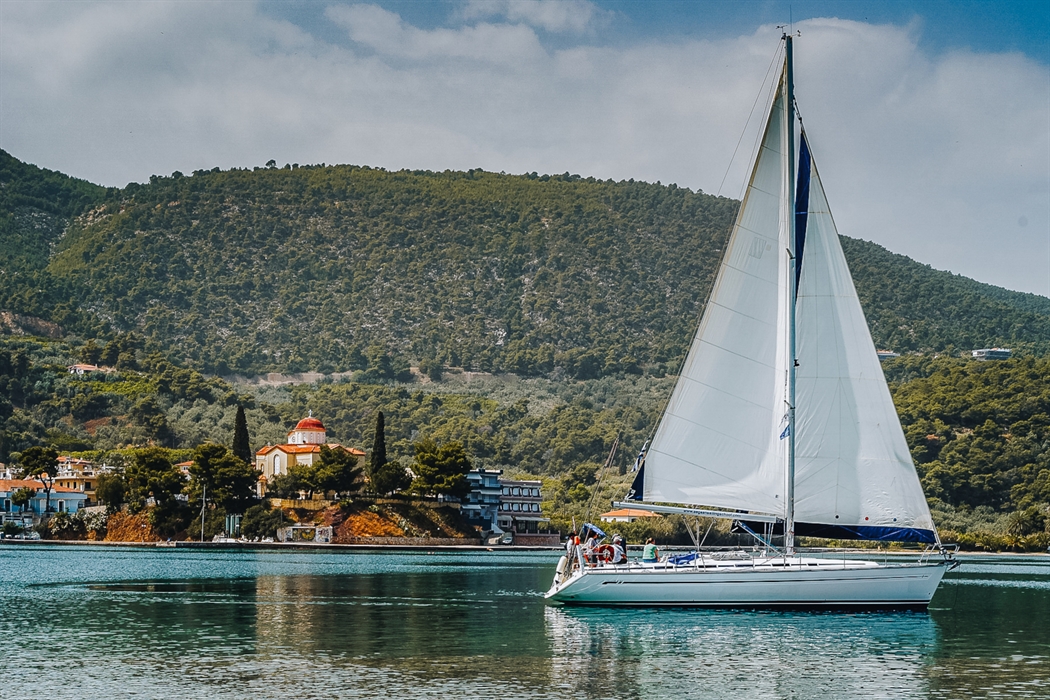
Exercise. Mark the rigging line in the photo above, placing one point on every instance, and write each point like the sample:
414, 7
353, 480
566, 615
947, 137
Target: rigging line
601, 474
762, 91
759, 137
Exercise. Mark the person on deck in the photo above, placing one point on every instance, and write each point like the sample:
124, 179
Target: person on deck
572, 544
619, 553
590, 549
650, 555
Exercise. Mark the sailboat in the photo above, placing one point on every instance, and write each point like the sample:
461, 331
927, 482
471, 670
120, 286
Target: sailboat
781, 420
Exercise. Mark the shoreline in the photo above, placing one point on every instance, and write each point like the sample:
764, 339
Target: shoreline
451, 548
283, 546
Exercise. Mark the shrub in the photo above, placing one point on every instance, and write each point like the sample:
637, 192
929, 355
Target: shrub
261, 521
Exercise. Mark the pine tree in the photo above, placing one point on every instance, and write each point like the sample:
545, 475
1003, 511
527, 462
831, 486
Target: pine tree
241, 444
378, 447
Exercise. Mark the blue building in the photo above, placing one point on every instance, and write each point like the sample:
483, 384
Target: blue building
63, 500
481, 506
499, 505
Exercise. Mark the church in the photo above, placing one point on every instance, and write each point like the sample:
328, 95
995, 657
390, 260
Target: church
303, 447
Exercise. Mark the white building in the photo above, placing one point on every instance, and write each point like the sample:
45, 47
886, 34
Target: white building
303, 447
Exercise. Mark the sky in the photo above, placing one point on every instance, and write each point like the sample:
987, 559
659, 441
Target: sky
929, 121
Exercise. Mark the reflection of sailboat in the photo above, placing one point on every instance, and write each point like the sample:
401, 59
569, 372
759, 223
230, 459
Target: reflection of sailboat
783, 328
632, 653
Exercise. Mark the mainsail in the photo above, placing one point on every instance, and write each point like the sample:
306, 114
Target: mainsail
854, 476
720, 441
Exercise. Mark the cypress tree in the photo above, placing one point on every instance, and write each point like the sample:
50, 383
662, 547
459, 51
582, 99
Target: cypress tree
241, 445
378, 458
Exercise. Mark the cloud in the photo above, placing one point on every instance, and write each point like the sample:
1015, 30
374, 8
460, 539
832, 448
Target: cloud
384, 32
941, 157
551, 15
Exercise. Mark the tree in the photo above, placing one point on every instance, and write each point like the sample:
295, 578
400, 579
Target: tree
432, 368
378, 456
390, 478
148, 414
110, 491
90, 353
23, 496
261, 521
1026, 522
241, 443
289, 485
41, 463
229, 480
441, 469
152, 475
337, 470
379, 365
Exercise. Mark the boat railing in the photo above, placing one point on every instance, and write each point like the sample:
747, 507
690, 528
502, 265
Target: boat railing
710, 556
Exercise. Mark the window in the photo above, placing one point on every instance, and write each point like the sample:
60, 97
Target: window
517, 491
517, 506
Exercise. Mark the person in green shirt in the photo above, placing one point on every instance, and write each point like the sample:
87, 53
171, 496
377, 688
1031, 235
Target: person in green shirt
650, 554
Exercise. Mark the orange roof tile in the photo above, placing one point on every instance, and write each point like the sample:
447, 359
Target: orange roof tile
14, 484
629, 513
304, 449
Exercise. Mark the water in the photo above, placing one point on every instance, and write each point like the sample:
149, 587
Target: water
92, 622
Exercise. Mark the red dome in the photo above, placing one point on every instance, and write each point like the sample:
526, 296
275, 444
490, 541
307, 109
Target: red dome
310, 423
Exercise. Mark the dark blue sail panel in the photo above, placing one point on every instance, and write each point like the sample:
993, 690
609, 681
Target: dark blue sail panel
865, 532
801, 205
638, 485
852, 532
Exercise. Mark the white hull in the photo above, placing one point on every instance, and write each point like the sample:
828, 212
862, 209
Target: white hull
791, 582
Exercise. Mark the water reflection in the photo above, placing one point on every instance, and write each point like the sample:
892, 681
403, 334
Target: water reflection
995, 613
217, 625
719, 654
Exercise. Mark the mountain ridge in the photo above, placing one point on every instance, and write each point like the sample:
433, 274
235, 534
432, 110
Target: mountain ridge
340, 268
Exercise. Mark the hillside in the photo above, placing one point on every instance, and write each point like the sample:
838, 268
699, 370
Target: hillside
979, 431
340, 268
36, 206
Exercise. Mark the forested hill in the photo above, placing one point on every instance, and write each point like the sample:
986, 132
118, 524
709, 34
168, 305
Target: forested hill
36, 206
342, 267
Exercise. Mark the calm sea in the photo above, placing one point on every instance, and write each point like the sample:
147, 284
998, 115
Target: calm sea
91, 622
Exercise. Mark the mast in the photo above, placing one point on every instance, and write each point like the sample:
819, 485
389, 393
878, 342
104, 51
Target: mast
789, 519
